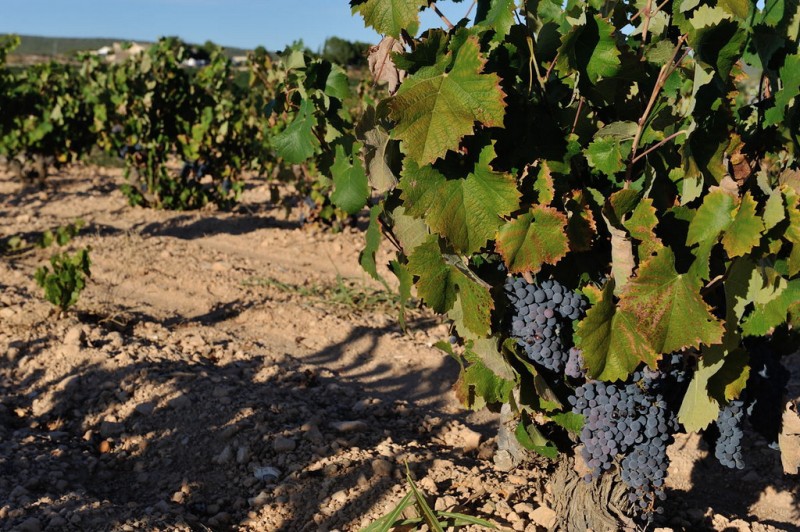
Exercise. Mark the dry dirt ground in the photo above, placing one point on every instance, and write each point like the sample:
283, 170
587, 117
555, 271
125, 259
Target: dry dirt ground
238, 371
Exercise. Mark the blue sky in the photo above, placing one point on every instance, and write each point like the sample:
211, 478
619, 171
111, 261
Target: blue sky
240, 23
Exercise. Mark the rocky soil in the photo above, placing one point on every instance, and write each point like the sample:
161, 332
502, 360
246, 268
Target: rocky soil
238, 371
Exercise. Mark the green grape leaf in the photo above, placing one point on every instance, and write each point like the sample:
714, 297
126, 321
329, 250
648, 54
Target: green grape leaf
790, 78
435, 108
533, 440
297, 142
372, 243
744, 232
610, 340
533, 239
774, 212
712, 218
768, 315
441, 279
350, 186
390, 17
641, 226
405, 282
478, 386
410, 231
605, 154
498, 17
486, 350
667, 308
698, 409
467, 211
568, 420
590, 49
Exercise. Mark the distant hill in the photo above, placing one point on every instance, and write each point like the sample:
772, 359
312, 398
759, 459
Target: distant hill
66, 46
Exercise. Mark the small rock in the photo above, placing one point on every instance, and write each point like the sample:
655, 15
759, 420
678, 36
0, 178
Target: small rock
259, 500
524, 508
543, 516
111, 428
145, 409
695, 515
349, 426
339, 497
181, 401
382, 468
225, 456
178, 497
267, 473
283, 445
242, 454
56, 522
114, 339
74, 336
30, 525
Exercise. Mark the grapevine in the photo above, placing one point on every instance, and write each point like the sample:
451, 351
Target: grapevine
639, 163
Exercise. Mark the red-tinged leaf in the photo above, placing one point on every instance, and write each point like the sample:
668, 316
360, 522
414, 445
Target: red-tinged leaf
533, 239
611, 342
667, 308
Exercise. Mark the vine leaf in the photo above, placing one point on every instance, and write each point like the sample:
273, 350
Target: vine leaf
350, 186
590, 49
772, 313
297, 142
667, 308
641, 226
440, 282
533, 239
499, 17
790, 77
712, 218
468, 211
581, 227
435, 108
381, 154
622, 260
744, 231
478, 385
611, 342
390, 17
605, 154
372, 243
543, 185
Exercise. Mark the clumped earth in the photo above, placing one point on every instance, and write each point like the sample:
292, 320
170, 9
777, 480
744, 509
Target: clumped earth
238, 371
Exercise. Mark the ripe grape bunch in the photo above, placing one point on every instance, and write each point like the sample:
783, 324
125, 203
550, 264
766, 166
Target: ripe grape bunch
542, 319
631, 421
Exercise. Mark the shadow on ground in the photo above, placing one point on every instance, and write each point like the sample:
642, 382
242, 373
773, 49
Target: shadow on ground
111, 443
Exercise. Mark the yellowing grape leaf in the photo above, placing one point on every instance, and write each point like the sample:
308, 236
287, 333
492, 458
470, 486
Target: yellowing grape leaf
465, 211
712, 218
667, 308
641, 226
610, 340
390, 17
441, 280
533, 239
744, 232
436, 107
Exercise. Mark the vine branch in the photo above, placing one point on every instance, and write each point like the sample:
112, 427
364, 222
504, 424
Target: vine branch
449, 24
663, 75
657, 146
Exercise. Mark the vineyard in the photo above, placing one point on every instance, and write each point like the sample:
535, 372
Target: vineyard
535, 268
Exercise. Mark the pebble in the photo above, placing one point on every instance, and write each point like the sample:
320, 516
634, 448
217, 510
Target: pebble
267, 473
543, 516
259, 500
74, 336
340, 496
111, 428
30, 525
146, 409
225, 456
349, 426
56, 522
283, 444
382, 468
180, 401
242, 454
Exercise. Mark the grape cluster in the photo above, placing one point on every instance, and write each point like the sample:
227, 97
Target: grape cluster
574, 366
728, 448
631, 421
543, 315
